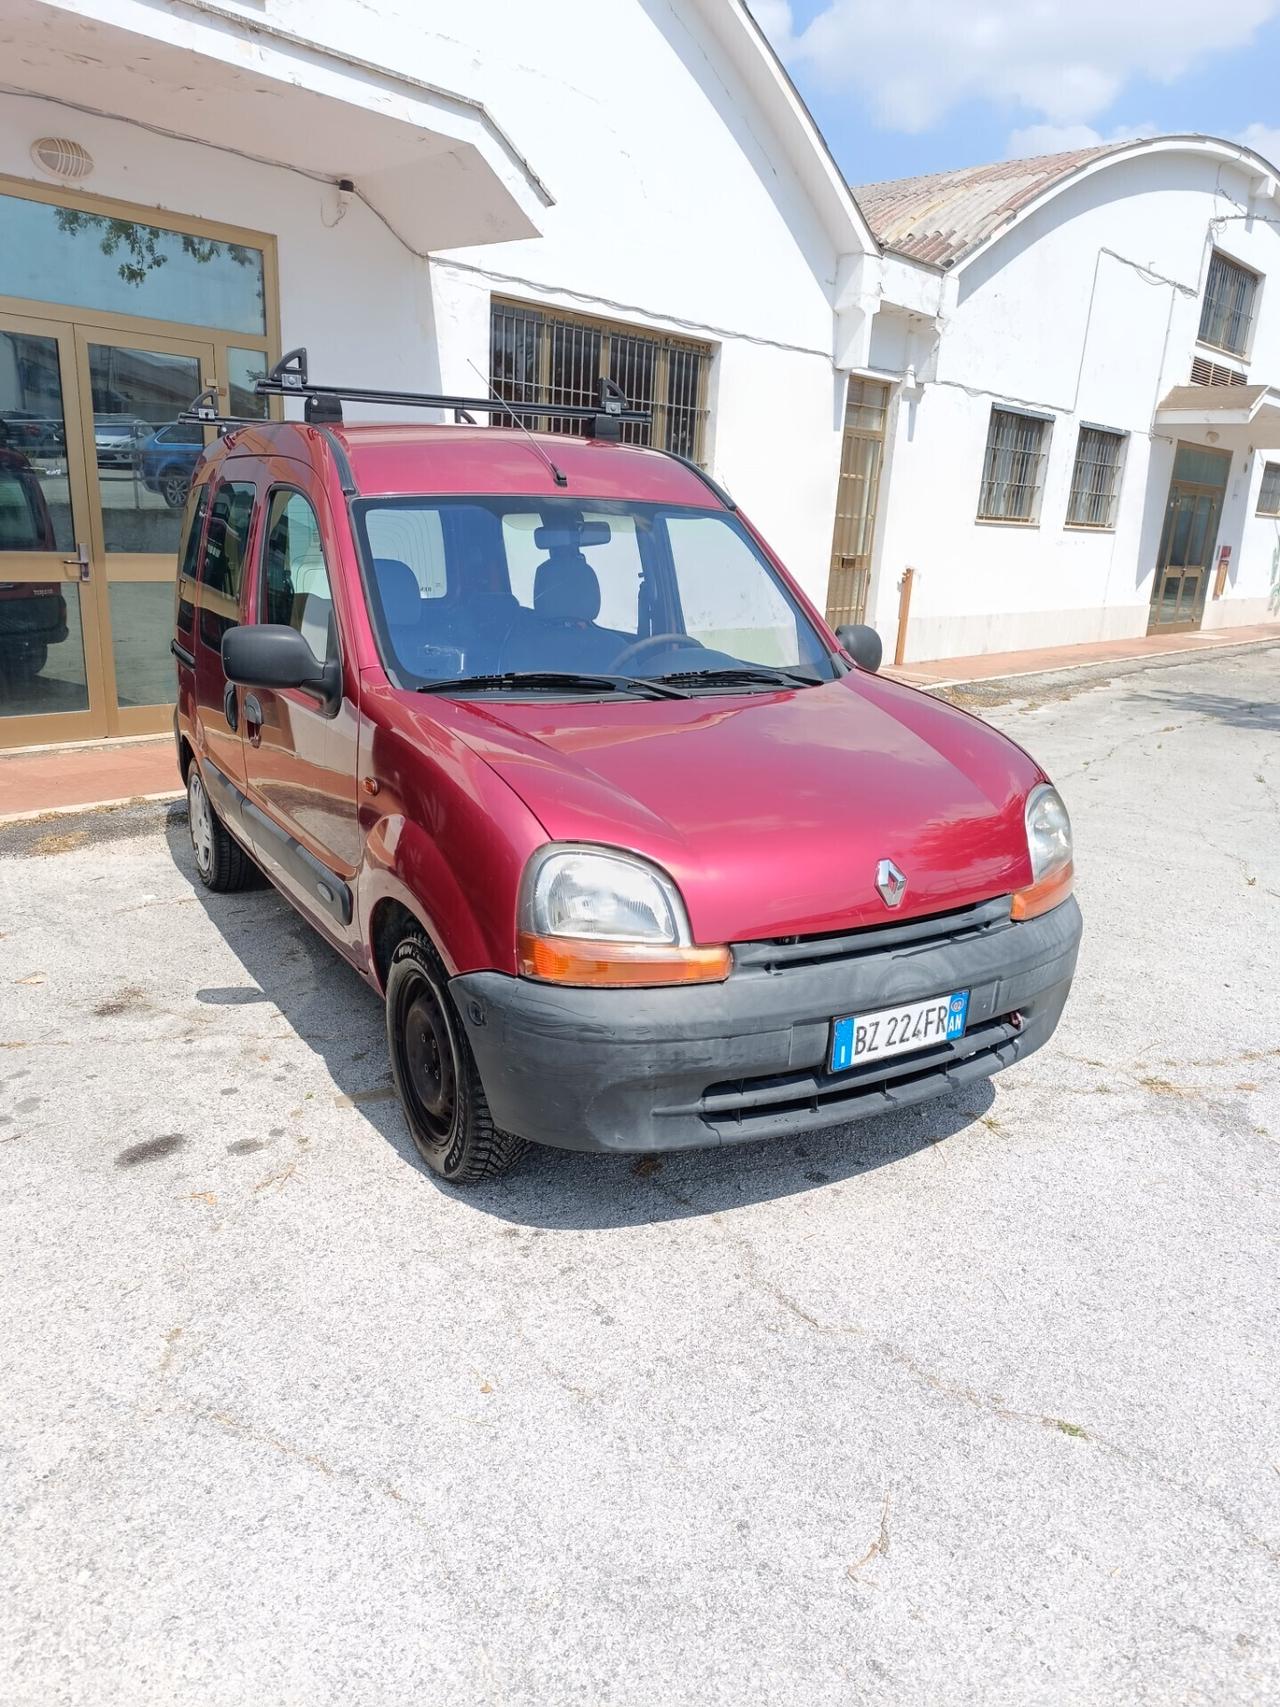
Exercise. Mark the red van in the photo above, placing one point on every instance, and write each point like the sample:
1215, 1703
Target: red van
540, 735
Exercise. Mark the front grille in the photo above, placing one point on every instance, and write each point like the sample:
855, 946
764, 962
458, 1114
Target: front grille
734, 1106
962, 924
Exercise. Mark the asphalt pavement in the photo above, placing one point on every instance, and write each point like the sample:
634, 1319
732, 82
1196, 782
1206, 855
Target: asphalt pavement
973, 1404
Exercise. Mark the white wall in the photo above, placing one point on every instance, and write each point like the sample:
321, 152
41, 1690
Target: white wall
382, 334
674, 208
1087, 311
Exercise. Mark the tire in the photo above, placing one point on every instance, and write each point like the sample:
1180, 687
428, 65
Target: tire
440, 1092
23, 660
174, 487
221, 863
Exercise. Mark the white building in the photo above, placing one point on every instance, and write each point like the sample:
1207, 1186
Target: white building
540, 194
1083, 439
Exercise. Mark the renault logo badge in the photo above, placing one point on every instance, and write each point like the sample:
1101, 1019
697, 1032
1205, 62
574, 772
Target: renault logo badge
890, 882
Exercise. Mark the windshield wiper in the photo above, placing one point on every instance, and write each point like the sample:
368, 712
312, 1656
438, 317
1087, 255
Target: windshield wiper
554, 681
745, 673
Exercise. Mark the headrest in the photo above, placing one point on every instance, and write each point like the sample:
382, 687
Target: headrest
565, 588
399, 591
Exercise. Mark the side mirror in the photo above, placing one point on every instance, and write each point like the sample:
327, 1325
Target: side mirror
273, 655
862, 643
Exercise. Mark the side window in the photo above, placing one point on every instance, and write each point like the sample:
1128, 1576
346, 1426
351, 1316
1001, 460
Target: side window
188, 559
226, 543
295, 580
728, 603
414, 536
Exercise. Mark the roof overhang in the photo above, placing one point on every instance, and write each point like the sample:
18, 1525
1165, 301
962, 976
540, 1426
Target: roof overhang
434, 165
1243, 413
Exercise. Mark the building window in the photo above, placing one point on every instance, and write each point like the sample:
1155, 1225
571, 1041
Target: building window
540, 356
1095, 479
1013, 472
1227, 311
1269, 496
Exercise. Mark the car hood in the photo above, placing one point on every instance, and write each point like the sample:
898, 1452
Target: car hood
772, 811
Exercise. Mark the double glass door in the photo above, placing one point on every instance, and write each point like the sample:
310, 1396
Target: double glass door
94, 474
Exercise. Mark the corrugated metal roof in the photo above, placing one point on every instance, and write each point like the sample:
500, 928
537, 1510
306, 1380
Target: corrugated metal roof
942, 216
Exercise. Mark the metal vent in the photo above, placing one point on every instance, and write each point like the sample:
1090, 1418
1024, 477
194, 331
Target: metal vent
62, 158
1205, 372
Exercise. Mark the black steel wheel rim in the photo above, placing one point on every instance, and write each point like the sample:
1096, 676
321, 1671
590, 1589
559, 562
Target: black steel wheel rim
429, 1060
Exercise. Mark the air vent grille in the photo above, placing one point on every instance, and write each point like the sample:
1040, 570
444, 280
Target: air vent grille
1204, 372
62, 158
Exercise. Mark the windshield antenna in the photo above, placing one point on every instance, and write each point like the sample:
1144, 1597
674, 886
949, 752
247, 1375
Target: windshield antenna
560, 478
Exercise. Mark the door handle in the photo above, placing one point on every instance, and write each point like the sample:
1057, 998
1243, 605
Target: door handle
80, 562
230, 707
253, 719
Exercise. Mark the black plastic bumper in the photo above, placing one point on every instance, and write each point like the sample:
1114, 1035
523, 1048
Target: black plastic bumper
672, 1069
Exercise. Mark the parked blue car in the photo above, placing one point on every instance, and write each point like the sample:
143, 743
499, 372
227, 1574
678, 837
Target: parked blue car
165, 461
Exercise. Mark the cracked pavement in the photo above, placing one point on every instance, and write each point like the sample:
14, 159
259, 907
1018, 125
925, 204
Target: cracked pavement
975, 1404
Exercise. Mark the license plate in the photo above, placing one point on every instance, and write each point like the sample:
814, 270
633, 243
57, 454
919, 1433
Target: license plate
897, 1031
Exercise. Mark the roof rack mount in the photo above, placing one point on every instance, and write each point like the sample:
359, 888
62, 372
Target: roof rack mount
323, 403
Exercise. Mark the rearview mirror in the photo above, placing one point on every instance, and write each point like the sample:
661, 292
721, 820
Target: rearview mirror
273, 655
862, 643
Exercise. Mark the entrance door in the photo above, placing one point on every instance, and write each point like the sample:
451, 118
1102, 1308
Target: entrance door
51, 687
140, 460
861, 454
1187, 542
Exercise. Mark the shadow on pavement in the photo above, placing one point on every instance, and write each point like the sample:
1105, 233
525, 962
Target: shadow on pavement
338, 1016
1260, 716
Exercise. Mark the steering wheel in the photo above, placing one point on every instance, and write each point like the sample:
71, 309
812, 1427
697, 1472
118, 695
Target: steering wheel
652, 643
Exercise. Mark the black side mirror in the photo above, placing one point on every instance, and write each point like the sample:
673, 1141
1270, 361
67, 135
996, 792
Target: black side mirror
273, 655
862, 643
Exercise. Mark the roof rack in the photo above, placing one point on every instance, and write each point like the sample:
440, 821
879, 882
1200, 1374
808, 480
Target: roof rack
323, 403
204, 411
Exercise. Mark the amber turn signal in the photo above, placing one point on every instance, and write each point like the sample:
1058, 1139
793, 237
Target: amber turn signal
568, 960
1040, 897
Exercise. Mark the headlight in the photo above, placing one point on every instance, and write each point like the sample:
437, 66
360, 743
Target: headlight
1050, 850
1048, 831
602, 897
598, 916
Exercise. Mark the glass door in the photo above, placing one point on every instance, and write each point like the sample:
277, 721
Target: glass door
140, 459
51, 686
1191, 517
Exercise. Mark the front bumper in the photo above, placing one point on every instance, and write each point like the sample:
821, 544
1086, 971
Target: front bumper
673, 1069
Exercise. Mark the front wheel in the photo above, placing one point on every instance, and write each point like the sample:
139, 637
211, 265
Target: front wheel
435, 1074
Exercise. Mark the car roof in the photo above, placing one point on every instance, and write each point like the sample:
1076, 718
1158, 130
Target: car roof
394, 459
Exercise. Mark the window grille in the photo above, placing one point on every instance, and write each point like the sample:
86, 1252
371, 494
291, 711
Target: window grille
1013, 470
1226, 314
537, 355
1095, 479
1269, 495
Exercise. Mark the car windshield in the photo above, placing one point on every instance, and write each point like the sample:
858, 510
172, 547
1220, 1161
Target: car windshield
522, 591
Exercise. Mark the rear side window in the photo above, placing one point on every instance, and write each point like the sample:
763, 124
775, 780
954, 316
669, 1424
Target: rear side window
295, 580
226, 543
24, 521
188, 560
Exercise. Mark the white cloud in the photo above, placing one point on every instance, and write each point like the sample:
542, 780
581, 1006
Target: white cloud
1063, 61
1057, 138
1264, 139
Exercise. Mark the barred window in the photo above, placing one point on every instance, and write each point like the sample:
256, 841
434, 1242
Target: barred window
1227, 311
1269, 496
1095, 479
1013, 472
538, 355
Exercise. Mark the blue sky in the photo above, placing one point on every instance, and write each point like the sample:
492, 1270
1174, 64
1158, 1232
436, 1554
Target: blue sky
920, 85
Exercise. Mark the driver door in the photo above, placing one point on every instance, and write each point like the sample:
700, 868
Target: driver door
300, 758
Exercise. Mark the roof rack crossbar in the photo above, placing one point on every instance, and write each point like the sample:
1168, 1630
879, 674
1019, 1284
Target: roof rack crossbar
289, 378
